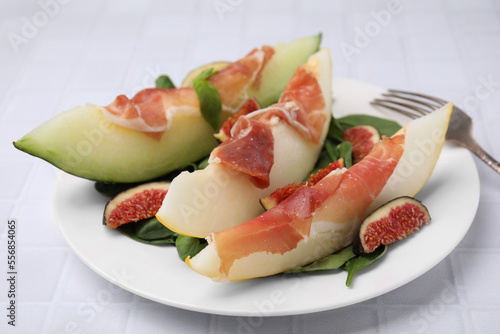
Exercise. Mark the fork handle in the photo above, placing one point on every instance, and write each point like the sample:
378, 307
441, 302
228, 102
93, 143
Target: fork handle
483, 155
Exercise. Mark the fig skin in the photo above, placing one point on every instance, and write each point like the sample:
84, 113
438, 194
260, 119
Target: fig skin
401, 221
137, 203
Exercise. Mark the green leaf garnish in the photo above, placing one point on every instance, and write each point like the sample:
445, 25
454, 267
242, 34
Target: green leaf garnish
164, 81
335, 131
333, 261
345, 151
152, 229
384, 126
149, 231
189, 246
209, 97
354, 265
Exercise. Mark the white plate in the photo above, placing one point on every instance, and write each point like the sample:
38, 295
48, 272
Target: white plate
156, 273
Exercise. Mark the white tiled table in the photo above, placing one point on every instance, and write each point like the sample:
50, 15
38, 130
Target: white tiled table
91, 51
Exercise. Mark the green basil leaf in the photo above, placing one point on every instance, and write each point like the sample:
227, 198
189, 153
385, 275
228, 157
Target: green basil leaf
164, 81
345, 151
384, 126
130, 231
209, 97
335, 131
354, 265
328, 154
152, 229
331, 149
323, 161
189, 246
333, 261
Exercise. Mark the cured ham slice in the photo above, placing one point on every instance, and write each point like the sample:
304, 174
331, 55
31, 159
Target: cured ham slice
268, 148
249, 150
225, 130
319, 220
152, 109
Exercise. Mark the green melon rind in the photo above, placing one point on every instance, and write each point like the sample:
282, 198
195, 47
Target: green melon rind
82, 142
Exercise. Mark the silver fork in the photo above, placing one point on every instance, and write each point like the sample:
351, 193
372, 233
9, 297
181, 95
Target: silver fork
416, 105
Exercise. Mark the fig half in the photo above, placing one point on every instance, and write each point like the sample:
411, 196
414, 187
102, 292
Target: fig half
393, 221
135, 204
363, 138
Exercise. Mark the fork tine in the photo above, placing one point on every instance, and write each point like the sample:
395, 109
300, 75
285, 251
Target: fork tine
431, 106
385, 104
409, 106
441, 102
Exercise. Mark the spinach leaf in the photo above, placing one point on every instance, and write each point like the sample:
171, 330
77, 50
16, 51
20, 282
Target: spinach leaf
354, 265
209, 97
331, 153
335, 131
333, 261
323, 161
148, 231
343, 259
164, 81
189, 246
384, 126
331, 150
152, 229
345, 151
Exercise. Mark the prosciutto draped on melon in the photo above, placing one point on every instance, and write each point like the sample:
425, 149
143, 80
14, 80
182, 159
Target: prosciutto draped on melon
160, 130
267, 149
153, 110
319, 220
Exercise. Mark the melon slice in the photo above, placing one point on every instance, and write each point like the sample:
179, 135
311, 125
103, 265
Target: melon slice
319, 220
85, 143
219, 197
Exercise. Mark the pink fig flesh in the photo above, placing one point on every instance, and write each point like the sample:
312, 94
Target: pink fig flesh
393, 221
135, 204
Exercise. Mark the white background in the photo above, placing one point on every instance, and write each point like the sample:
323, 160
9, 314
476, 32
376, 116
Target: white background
55, 55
